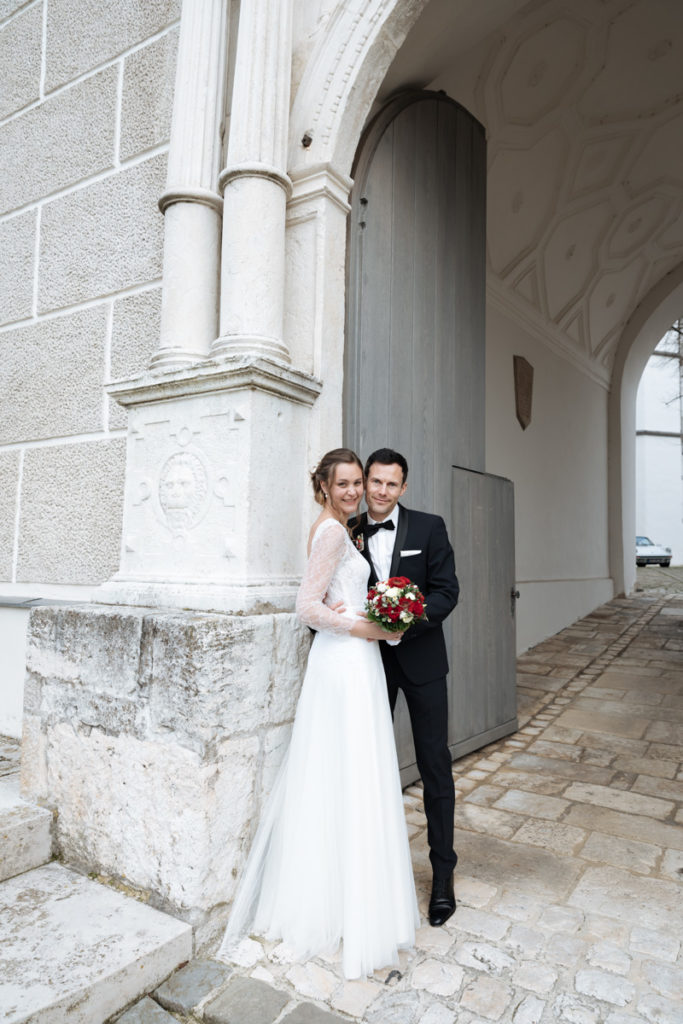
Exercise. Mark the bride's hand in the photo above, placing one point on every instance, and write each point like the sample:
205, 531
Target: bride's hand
369, 630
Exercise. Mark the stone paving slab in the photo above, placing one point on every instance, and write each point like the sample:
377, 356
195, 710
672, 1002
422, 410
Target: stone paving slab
189, 986
146, 1012
246, 1001
306, 1013
652, 902
58, 929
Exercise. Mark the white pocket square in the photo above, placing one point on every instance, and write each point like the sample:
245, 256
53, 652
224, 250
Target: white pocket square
404, 554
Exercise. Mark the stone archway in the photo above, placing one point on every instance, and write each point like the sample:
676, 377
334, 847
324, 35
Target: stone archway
650, 321
342, 78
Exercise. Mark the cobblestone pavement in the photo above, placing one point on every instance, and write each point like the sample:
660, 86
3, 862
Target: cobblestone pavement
569, 884
570, 878
666, 581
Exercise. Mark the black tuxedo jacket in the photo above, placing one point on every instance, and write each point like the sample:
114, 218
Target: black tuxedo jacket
422, 651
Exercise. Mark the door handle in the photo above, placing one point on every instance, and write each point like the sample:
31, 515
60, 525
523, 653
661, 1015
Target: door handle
514, 596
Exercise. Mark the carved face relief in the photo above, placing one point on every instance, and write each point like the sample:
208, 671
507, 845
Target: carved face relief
183, 487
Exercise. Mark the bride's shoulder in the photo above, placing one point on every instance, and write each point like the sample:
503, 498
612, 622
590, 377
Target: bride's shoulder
321, 525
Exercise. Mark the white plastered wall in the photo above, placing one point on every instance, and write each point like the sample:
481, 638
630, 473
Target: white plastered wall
558, 468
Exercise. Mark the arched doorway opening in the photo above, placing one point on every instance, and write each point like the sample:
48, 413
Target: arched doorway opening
650, 321
414, 379
659, 481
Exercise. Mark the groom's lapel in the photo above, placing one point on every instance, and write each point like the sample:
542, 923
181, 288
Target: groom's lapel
401, 533
359, 532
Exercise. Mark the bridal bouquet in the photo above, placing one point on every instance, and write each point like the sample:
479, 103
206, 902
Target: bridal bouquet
395, 604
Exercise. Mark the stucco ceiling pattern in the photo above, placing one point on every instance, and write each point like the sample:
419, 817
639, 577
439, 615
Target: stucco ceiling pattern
583, 106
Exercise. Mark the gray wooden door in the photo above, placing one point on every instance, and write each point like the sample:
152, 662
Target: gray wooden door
483, 695
480, 633
414, 359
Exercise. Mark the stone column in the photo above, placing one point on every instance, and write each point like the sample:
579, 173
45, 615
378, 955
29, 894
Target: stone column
191, 204
256, 186
203, 527
317, 215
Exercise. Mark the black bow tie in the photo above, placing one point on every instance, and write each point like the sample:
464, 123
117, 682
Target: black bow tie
372, 528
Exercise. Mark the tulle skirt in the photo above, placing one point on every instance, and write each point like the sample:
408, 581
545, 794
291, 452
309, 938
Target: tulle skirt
330, 862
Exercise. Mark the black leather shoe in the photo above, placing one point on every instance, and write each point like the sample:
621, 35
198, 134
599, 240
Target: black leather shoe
442, 901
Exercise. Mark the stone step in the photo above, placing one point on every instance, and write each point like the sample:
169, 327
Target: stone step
73, 951
25, 831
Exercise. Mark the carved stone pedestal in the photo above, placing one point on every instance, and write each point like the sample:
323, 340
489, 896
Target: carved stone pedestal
216, 466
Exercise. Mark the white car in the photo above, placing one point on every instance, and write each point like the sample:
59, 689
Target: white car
648, 553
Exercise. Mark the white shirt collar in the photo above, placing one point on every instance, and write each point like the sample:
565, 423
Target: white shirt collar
393, 517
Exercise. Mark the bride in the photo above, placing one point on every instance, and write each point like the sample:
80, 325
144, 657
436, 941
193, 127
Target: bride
330, 861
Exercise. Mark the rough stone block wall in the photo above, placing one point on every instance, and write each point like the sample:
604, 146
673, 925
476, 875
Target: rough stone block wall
85, 113
157, 735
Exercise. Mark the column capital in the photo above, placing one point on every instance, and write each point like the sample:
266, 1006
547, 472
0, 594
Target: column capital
204, 196
320, 181
255, 170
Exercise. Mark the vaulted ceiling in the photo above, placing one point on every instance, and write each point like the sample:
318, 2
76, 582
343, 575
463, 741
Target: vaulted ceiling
583, 109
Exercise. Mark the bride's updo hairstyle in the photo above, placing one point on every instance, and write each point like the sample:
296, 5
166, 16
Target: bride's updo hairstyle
326, 468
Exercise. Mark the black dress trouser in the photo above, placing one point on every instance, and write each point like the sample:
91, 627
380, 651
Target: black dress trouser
428, 709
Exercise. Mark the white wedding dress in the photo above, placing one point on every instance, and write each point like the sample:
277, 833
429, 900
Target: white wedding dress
330, 861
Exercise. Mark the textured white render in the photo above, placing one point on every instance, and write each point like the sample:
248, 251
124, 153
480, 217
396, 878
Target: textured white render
20, 56
80, 484
71, 53
84, 126
134, 339
147, 96
74, 263
17, 244
10, 468
79, 146
51, 377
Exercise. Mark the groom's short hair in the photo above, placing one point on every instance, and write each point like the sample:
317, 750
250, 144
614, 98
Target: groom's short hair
387, 457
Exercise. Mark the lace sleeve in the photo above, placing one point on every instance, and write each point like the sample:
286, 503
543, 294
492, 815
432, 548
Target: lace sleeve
327, 551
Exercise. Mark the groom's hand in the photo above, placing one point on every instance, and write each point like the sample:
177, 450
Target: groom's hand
338, 606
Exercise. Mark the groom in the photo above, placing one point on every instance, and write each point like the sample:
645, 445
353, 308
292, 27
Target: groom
398, 541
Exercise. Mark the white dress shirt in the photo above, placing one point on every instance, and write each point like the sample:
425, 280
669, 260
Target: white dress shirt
381, 545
